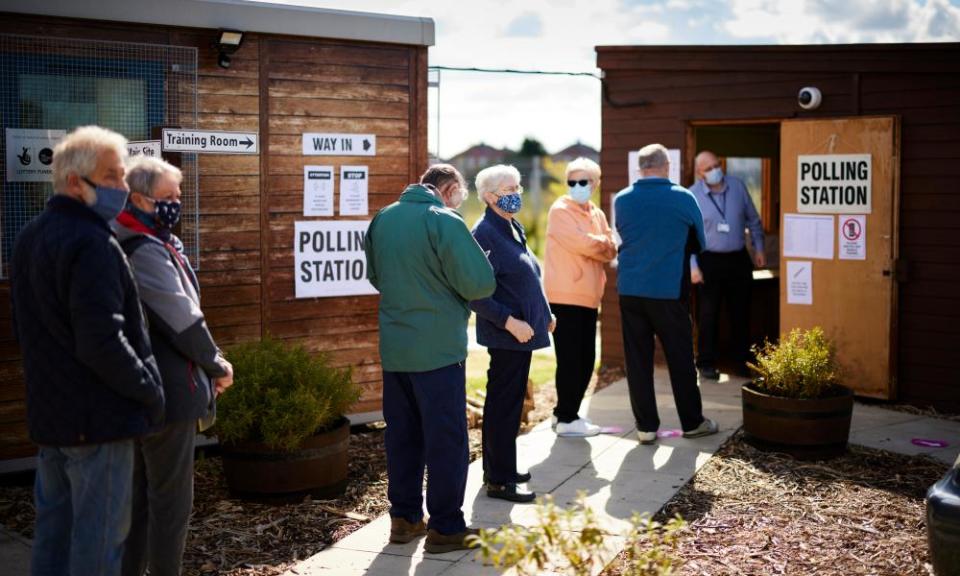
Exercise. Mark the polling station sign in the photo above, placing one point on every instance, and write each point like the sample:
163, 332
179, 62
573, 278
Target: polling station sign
329, 259
834, 184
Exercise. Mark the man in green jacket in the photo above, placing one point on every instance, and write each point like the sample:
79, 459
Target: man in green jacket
427, 267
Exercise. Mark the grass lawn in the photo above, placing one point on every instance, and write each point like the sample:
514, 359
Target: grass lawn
542, 369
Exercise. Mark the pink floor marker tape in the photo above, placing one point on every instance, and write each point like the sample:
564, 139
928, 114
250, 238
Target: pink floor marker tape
927, 443
611, 430
669, 433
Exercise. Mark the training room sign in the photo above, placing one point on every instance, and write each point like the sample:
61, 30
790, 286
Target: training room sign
210, 141
834, 184
329, 259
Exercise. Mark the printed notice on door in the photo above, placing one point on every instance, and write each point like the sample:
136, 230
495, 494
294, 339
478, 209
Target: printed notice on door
807, 236
800, 282
318, 190
853, 237
354, 188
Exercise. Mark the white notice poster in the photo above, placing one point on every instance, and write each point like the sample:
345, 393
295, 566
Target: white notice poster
323, 144
633, 171
329, 258
354, 187
853, 237
30, 154
318, 190
799, 282
807, 236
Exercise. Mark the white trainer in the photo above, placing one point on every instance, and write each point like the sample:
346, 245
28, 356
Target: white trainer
646, 437
579, 428
706, 428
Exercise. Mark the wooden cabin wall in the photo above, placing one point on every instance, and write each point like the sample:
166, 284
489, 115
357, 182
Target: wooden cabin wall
918, 83
280, 87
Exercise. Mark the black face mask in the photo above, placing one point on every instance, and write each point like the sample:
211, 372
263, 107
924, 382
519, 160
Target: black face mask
168, 213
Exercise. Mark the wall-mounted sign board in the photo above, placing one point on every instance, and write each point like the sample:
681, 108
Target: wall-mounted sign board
210, 141
324, 144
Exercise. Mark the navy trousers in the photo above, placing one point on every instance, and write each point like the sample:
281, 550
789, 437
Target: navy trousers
427, 426
506, 387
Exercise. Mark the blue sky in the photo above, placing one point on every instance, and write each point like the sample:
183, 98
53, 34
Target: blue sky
501, 110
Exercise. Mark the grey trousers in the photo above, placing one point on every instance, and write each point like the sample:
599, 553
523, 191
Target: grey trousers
162, 500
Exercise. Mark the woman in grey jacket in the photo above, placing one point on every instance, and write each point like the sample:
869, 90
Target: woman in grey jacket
192, 367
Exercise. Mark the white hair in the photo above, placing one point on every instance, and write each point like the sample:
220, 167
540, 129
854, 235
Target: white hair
652, 156
143, 173
80, 150
490, 179
584, 165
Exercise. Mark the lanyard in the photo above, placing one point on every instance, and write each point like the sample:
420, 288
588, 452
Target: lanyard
723, 213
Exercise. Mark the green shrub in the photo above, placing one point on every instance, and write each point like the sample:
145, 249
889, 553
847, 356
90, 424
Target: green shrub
570, 541
802, 365
281, 395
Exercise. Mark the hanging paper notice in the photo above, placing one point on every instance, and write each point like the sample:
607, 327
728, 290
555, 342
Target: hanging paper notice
806, 236
329, 259
354, 188
30, 154
318, 190
799, 282
853, 237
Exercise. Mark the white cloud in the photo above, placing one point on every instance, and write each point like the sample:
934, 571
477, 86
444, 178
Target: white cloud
853, 21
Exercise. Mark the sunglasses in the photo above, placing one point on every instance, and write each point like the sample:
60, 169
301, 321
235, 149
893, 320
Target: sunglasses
573, 183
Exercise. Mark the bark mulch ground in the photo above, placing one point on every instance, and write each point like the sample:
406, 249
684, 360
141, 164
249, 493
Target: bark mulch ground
753, 512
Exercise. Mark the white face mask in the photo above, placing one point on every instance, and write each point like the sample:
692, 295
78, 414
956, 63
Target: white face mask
714, 176
580, 194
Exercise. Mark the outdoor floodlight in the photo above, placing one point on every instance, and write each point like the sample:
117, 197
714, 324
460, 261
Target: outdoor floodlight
228, 43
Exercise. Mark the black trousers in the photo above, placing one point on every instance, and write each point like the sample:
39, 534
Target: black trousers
669, 320
506, 388
726, 279
574, 340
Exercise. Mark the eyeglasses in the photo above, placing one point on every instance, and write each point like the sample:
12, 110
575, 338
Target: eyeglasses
572, 183
510, 190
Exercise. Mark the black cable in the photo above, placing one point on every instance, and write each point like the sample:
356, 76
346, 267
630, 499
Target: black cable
604, 87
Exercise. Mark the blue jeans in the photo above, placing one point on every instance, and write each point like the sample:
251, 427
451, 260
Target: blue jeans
426, 415
82, 495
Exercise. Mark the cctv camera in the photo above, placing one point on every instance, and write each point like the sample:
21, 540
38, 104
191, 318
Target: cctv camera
809, 98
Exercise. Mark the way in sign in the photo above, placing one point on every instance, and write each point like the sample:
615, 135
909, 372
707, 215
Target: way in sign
325, 144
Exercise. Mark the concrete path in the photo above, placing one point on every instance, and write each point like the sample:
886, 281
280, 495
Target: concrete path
618, 474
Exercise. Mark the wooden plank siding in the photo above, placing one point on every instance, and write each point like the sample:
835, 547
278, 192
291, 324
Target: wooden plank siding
920, 84
280, 87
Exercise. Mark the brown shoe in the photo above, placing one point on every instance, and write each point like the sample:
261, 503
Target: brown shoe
402, 531
438, 543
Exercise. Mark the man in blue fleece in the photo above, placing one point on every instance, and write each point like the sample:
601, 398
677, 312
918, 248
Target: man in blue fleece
660, 224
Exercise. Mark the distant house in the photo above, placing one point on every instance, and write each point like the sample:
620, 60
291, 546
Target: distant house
478, 157
575, 151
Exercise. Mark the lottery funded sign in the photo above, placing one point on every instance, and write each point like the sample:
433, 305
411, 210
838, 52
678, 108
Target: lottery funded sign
30, 154
834, 184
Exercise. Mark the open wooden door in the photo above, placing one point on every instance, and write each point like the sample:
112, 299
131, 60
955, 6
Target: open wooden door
840, 179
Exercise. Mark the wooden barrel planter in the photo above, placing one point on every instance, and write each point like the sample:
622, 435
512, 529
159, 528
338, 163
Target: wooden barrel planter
806, 428
318, 467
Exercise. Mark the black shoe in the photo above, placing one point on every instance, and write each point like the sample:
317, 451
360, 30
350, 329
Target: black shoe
710, 373
510, 493
519, 478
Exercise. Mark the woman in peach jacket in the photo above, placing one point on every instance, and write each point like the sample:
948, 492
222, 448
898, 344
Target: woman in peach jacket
579, 244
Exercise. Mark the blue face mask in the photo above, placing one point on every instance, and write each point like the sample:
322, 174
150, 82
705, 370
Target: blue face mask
109, 202
510, 203
714, 176
580, 194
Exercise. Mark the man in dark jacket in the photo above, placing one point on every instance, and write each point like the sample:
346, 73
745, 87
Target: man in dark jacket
422, 259
190, 362
92, 381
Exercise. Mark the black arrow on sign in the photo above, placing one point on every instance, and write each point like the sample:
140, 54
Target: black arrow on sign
366, 144
248, 142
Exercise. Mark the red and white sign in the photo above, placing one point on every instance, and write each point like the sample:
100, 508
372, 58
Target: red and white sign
853, 237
